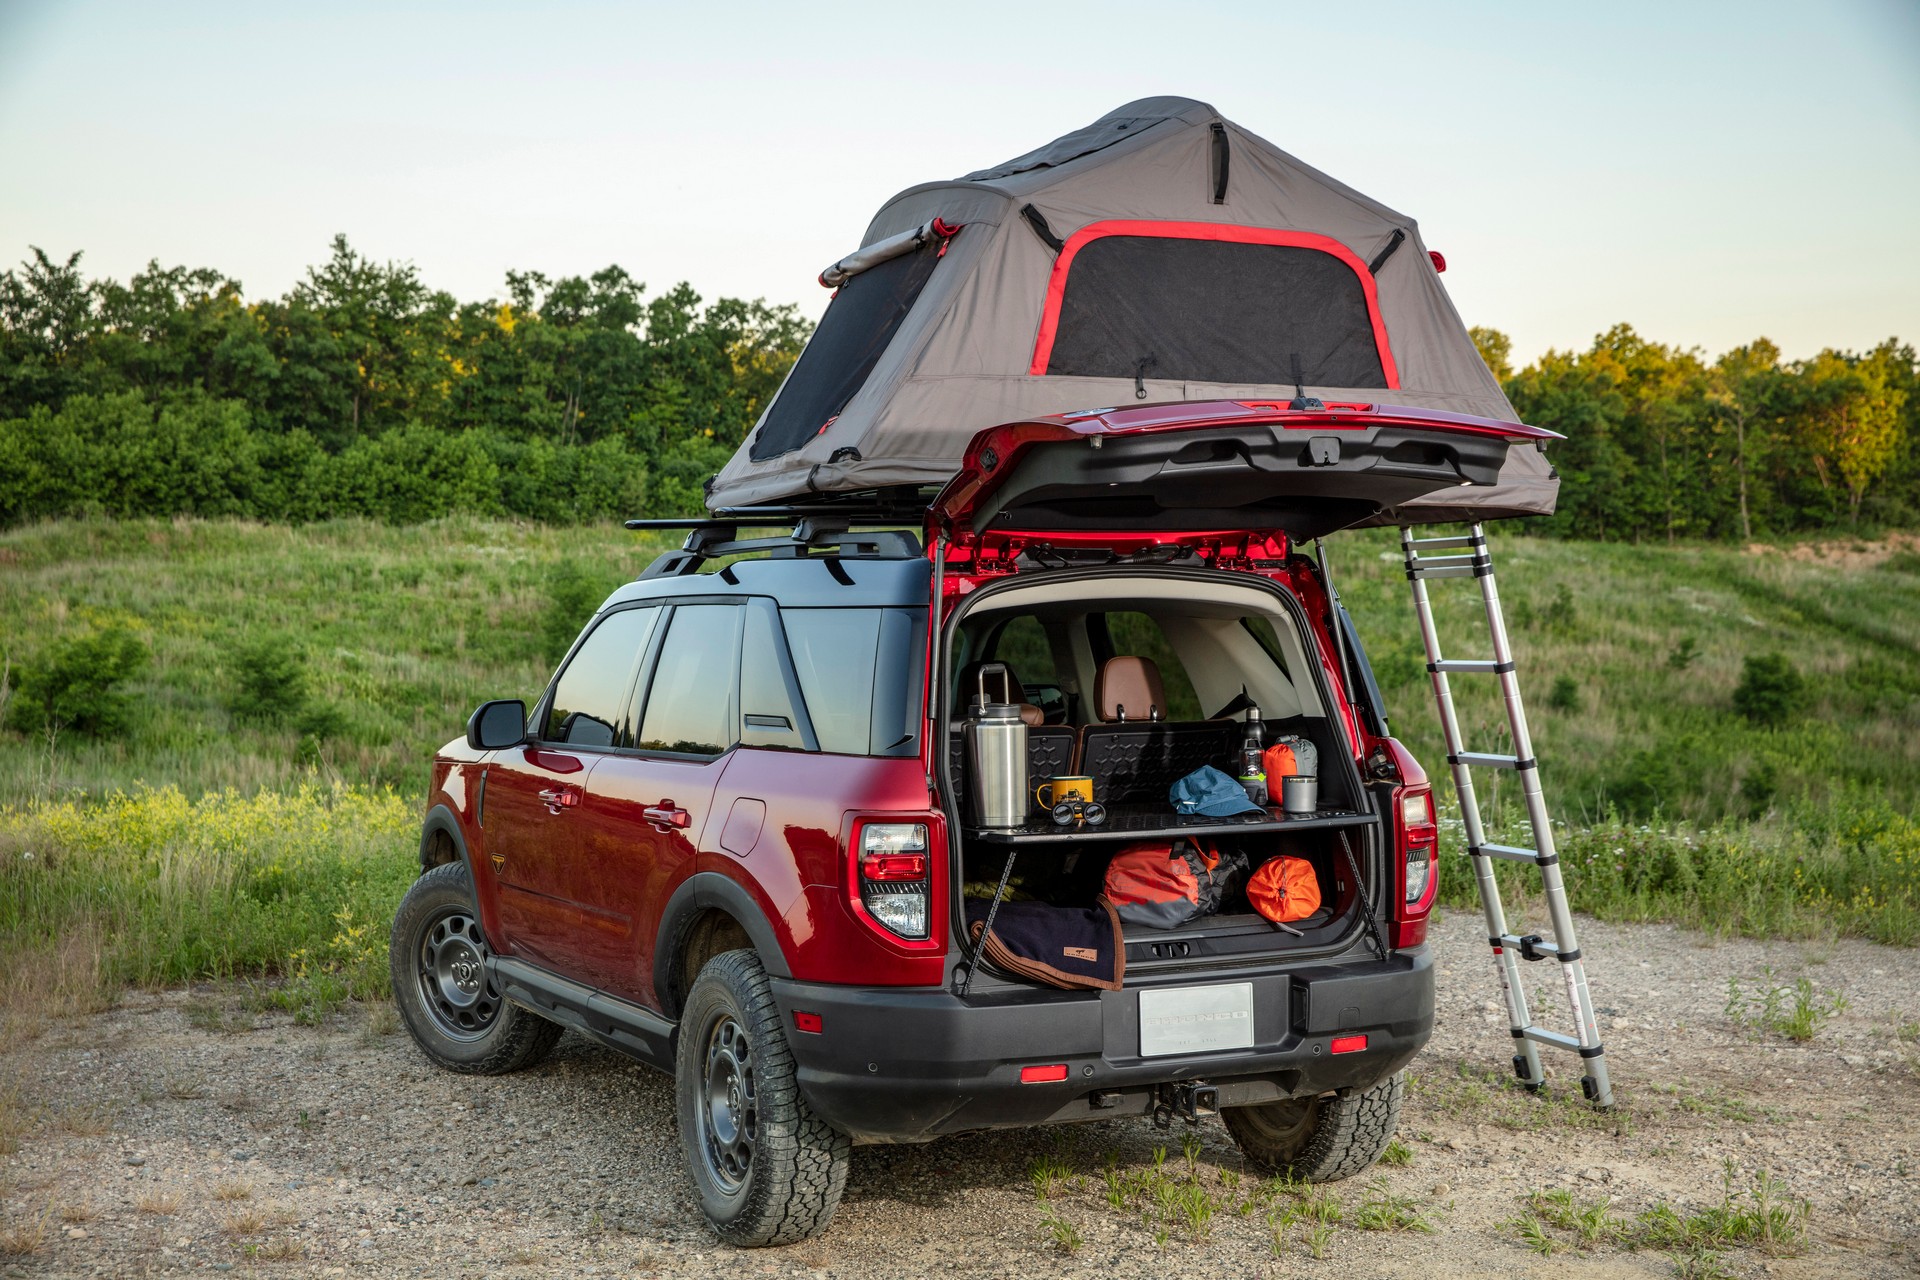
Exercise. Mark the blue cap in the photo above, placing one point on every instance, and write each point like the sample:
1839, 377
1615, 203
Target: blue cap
1211, 793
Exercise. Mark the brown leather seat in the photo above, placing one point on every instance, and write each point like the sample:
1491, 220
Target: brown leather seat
966, 685
1129, 688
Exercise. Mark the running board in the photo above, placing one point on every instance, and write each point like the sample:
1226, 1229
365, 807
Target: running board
634, 1030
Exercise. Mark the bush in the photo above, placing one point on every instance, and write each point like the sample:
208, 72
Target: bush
75, 686
1648, 783
572, 597
270, 678
1565, 695
1770, 691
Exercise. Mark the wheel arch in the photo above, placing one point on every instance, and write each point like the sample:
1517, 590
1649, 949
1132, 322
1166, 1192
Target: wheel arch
706, 909
441, 841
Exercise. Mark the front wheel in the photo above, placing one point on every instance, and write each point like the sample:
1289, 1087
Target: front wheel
767, 1170
441, 981
1320, 1139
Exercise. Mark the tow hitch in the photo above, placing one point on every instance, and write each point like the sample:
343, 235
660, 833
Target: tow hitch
1191, 1100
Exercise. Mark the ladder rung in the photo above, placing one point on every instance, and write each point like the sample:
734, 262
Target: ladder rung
1514, 942
1540, 1035
1445, 571
1463, 540
1487, 761
1471, 666
1509, 852
1449, 562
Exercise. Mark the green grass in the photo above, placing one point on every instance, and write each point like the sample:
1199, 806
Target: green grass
1674, 805
151, 888
404, 631
249, 838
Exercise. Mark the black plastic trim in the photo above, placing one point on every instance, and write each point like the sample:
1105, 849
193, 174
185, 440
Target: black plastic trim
619, 1024
698, 893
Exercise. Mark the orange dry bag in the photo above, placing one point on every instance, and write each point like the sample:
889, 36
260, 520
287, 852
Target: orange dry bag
1284, 888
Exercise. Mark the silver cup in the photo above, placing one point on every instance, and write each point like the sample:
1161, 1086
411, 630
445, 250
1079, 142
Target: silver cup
1299, 793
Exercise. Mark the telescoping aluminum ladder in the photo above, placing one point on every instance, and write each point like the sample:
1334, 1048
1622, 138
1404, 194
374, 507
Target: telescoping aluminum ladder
1467, 557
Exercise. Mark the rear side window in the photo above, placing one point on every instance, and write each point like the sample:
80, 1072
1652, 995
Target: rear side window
860, 322
1137, 635
1181, 308
690, 700
589, 707
770, 704
859, 672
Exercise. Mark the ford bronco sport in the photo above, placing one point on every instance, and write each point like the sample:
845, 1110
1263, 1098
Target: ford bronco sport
733, 837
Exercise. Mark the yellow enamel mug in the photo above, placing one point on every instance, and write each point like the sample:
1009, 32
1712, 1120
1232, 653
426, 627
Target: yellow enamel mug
1055, 790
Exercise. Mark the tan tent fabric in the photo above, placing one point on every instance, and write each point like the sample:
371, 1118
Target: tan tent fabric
959, 361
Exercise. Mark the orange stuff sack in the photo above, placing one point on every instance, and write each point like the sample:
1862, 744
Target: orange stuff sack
1284, 889
1278, 761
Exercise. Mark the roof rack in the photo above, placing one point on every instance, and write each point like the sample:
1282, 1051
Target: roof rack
815, 528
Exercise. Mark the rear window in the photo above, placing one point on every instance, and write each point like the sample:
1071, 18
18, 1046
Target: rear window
1206, 310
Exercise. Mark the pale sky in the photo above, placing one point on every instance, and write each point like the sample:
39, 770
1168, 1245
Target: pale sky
1708, 172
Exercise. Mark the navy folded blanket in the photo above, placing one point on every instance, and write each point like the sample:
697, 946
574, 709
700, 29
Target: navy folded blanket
1079, 948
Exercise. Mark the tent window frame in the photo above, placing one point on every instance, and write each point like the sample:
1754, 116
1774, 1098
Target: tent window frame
1063, 265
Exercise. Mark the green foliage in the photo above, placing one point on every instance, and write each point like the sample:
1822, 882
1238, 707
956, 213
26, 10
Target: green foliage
1770, 691
270, 680
1795, 1010
1565, 694
573, 593
76, 684
291, 884
364, 392
1681, 656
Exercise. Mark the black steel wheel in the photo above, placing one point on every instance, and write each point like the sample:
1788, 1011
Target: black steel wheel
730, 1114
454, 982
444, 986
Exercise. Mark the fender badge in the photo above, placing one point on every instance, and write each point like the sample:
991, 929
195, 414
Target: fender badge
499, 860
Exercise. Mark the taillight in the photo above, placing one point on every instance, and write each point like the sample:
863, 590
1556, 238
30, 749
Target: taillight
1418, 837
895, 886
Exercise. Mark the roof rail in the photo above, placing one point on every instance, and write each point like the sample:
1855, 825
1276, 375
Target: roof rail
716, 537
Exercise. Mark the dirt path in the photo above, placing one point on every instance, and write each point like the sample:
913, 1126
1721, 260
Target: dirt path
338, 1151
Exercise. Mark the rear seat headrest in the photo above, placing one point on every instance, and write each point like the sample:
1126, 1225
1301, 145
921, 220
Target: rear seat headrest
1129, 688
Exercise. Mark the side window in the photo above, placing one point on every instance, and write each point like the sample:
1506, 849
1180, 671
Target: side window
769, 701
833, 654
590, 698
1023, 645
690, 701
1138, 635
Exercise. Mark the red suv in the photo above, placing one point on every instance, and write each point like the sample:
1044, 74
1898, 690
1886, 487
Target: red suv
734, 838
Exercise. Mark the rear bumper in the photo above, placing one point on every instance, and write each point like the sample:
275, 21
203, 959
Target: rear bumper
905, 1065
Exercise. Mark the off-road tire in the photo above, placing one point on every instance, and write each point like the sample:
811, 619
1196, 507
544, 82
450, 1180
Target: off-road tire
1320, 1139
508, 1038
797, 1168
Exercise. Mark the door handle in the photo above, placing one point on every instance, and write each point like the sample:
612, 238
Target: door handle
666, 814
558, 798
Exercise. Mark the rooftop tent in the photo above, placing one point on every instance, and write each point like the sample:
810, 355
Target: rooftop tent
1159, 254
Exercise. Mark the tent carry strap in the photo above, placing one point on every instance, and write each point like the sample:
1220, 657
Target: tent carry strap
1468, 557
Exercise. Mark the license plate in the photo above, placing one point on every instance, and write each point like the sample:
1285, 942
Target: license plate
1196, 1019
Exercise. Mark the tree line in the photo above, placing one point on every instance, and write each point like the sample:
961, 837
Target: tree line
1663, 443
362, 391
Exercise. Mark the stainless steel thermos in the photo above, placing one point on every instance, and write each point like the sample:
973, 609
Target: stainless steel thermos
996, 746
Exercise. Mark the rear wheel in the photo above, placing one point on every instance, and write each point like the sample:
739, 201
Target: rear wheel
1320, 1139
444, 988
767, 1170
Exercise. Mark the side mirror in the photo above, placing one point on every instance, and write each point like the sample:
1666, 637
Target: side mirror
497, 725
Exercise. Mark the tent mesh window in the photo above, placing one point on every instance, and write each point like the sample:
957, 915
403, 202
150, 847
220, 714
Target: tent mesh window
859, 323
1214, 311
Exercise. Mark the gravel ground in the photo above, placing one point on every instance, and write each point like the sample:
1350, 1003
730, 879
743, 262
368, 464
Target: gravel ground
178, 1133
